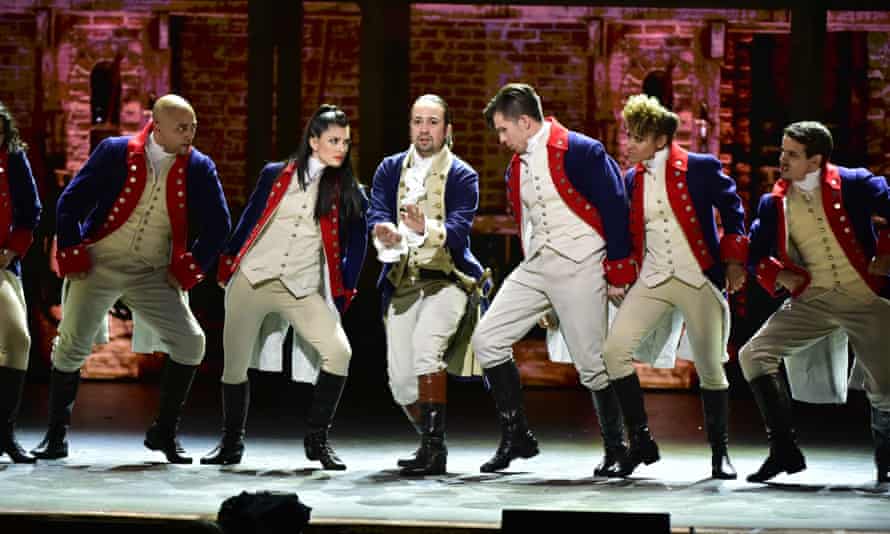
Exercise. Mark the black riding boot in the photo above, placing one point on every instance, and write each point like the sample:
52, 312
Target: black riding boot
62, 392
643, 448
715, 405
432, 454
176, 381
328, 389
771, 394
12, 383
608, 411
517, 441
235, 399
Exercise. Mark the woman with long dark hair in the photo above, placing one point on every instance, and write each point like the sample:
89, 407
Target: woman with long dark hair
19, 214
294, 260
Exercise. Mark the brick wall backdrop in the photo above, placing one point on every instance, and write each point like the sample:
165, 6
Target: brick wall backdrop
735, 108
583, 61
17, 67
214, 67
878, 134
466, 53
84, 40
331, 33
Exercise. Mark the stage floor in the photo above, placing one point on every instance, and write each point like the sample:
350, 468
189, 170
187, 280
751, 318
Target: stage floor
109, 471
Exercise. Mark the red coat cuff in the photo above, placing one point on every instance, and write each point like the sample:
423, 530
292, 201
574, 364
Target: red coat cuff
767, 271
883, 244
20, 241
226, 268
620, 272
769, 268
734, 247
73, 260
187, 271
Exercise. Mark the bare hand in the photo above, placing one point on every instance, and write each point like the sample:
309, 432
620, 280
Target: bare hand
221, 284
6, 257
550, 320
879, 265
174, 283
387, 235
413, 218
77, 276
790, 280
735, 277
616, 294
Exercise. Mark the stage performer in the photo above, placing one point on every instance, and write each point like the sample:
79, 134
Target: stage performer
294, 260
423, 201
142, 221
684, 268
815, 243
568, 198
19, 214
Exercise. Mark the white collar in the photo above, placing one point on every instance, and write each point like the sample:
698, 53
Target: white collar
541, 135
657, 161
810, 181
420, 163
155, 151
314, 169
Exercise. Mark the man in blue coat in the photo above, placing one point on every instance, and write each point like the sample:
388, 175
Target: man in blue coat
423, 202
684, 267
19, 214
569, 200
143, 221
814, 243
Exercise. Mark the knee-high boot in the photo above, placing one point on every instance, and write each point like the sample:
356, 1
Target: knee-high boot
432, 454
62, 392
517, 441
643, 448
328, 389
715, 405
12, 383
771, 394
412, 412
176, 382
235, 400
608, 411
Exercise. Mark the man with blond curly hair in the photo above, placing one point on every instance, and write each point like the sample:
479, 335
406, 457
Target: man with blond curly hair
684, 268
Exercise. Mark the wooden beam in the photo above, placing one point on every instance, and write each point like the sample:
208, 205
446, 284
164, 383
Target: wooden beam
808, 30
385, 82
288, 86
260, 48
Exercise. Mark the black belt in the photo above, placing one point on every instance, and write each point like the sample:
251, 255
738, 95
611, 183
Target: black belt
430, 274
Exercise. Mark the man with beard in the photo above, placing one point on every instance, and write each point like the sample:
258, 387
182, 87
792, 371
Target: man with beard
423, 202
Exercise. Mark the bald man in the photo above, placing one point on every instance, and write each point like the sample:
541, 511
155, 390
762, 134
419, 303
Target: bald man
142, 222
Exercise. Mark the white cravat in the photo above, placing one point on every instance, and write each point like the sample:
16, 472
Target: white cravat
316, 167
415, 185
158, 158
809, 183
540, 136
657, 161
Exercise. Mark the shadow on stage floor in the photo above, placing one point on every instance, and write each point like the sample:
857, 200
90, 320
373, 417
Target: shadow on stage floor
111, 481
